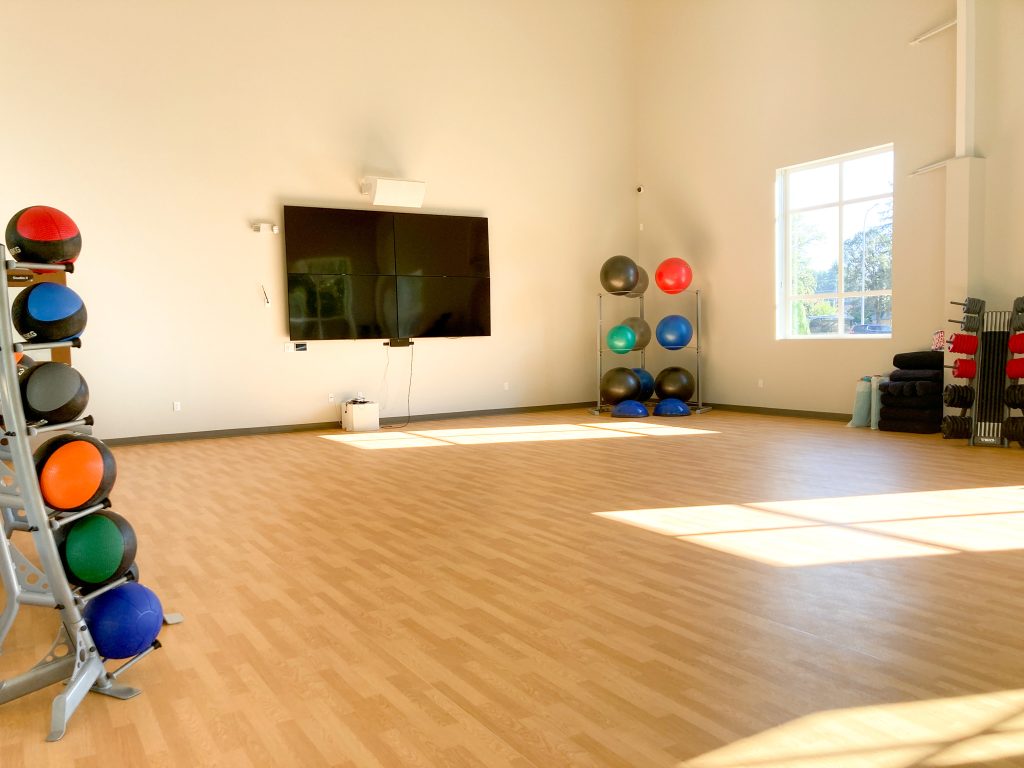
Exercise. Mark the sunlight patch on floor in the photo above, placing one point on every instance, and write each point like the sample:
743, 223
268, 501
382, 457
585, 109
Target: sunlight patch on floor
426, 438
965, 730
847, 529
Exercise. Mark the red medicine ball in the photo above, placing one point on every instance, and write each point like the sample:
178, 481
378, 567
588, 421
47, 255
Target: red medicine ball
43, 235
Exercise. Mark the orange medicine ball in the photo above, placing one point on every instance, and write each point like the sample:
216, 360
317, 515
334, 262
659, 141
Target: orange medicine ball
75, 471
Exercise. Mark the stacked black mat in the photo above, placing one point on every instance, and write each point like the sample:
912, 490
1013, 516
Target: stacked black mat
912, 398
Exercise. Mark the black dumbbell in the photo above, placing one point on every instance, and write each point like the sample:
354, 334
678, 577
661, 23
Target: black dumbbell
968, 323
958, 396
956, 427
1014, 396
1013, 428
971, 305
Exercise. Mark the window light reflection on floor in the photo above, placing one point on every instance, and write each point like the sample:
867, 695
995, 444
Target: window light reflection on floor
428, 438
958, 731
847, 529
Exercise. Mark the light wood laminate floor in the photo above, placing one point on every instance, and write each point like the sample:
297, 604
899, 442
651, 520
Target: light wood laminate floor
526, 590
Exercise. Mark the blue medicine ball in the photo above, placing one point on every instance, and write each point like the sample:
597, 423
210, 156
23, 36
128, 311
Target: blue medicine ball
674, 332
48, 312
671, 407
646, 384
629, 409
124, 621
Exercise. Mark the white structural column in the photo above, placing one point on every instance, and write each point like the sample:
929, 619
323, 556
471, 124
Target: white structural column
965, 175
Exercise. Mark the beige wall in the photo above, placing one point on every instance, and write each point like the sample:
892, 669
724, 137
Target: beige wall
162, 128
730, 91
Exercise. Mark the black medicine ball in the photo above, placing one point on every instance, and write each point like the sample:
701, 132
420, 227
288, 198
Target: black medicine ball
53, 392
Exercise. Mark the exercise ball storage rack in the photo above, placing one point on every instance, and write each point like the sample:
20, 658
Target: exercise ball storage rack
697, 403
73, 657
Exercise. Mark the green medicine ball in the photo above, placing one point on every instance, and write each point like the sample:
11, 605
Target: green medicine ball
98, 549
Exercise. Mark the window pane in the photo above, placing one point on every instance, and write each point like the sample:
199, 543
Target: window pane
867, 246
814, 317
814, 186
868, 315
867, 176
814, 251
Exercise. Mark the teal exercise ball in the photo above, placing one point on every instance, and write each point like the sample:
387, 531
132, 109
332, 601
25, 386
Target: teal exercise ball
621, 339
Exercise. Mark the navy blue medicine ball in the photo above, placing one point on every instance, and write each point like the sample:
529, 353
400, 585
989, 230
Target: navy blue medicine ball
48, 312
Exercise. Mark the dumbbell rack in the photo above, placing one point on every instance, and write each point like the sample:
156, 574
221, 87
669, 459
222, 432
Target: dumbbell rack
1013, 426
983, 415
73, 656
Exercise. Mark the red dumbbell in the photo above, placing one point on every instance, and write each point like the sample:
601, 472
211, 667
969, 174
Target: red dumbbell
1014, 368
1017, 343
963, 343
964, 368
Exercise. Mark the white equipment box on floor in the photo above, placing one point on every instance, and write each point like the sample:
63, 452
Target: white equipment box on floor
360, 417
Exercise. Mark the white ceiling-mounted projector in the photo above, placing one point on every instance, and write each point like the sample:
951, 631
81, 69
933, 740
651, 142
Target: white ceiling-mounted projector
401, 193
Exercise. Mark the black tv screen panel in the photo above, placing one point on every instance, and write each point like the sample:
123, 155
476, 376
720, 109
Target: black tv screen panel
329, 241
342, 307
452, 246
443, 306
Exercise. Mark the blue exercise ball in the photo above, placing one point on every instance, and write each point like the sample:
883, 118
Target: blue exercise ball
124, 621
674, 332
672, 407
646, 384
630, 409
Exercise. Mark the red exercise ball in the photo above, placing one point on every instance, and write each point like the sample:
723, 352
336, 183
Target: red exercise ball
673, 276
44, 235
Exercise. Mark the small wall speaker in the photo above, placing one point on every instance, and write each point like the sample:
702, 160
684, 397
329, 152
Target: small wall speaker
401, 193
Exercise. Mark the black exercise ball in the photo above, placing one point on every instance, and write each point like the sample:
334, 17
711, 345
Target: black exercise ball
675, 382
619, 384
619, 275
44, 235
641, 284
53, 392
48, 312
641, 329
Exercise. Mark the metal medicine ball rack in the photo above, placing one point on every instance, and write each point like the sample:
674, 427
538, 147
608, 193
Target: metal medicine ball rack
697, 403
73, 657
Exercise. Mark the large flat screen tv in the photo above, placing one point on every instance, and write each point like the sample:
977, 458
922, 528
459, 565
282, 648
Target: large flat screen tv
375, 275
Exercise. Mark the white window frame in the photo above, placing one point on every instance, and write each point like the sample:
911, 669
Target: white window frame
784, 297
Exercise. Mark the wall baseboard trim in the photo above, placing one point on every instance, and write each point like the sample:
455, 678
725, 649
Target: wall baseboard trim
281, 428
782, 412
393, 420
